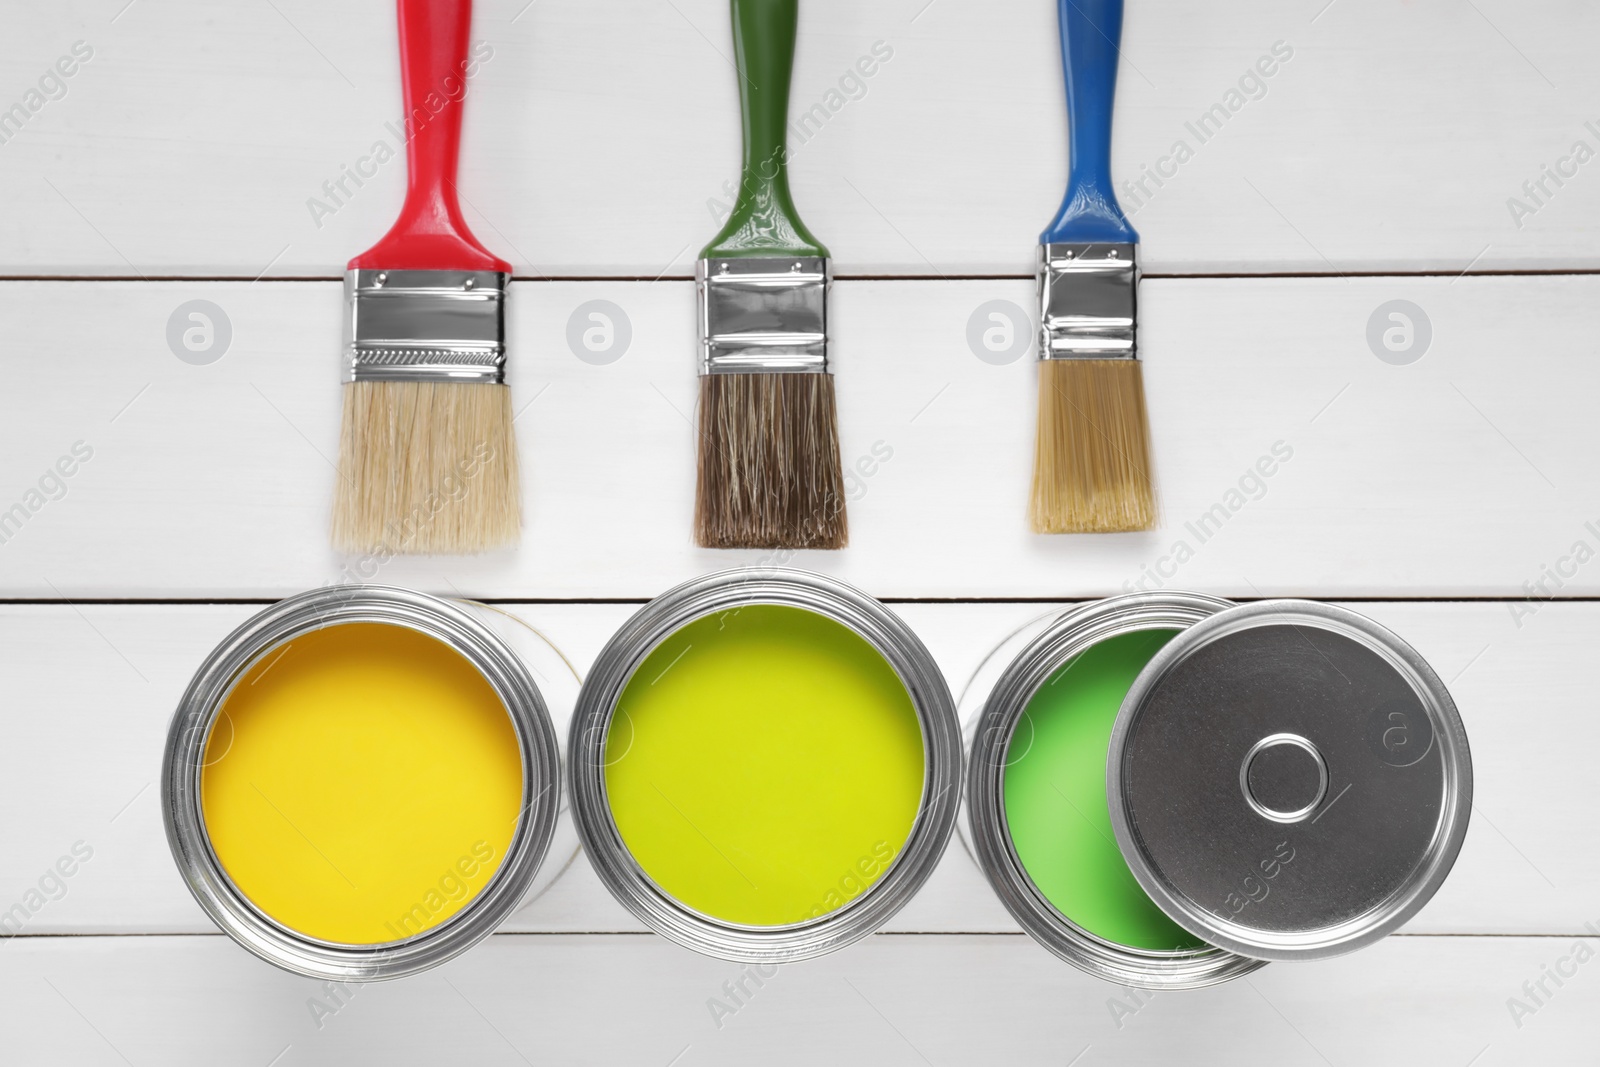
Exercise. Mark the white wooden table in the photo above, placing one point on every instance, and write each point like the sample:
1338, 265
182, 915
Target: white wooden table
1376, 164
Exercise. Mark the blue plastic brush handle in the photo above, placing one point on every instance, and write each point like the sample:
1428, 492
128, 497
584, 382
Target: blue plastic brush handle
1091, 31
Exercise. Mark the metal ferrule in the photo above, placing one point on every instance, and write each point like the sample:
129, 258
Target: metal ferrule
1089, 301
764, 315
426, 326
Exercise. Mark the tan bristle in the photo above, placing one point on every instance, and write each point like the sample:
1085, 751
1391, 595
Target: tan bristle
1091, 464
769, 474
426, 467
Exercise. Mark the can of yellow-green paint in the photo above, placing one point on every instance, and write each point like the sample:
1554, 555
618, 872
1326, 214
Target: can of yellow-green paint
765, 765
362, 782
1168, 789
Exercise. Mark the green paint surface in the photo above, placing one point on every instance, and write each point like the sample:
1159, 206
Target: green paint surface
1055, 797
764, 765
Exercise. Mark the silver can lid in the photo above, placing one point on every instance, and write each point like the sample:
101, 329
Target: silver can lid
1289, 780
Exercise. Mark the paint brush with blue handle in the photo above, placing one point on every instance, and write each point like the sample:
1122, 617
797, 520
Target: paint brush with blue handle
1091, 470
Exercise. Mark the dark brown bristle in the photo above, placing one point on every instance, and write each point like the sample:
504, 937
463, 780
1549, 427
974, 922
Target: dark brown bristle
769, 473
1091, 467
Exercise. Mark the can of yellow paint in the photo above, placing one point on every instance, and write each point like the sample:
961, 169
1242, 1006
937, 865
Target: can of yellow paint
765, 765
360, 783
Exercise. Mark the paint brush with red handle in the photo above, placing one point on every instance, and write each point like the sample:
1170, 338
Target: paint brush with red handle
427, 457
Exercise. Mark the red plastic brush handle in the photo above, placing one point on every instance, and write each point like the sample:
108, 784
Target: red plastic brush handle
430, 233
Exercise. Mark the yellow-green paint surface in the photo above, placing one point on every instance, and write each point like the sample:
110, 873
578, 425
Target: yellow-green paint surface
764, 765
1055, 796
362, 783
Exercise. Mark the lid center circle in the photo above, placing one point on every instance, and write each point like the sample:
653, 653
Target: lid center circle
1283, 778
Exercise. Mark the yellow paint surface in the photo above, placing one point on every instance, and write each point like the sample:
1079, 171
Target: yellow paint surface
764, 765
362, 784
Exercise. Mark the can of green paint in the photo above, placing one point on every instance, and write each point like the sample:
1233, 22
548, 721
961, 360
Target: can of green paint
1168, 789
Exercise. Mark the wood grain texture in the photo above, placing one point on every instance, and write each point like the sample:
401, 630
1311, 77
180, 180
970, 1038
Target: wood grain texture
599, 135
194, 141
100, 682
1464, 474
519, 1000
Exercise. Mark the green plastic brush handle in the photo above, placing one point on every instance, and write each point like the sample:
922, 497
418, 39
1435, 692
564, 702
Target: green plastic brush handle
764, 220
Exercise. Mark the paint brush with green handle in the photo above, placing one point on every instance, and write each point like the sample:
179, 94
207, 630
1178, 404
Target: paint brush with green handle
768, 474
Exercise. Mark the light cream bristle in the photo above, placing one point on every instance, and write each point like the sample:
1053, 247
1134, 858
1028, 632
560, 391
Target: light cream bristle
426, 468
769, 474
1091, 464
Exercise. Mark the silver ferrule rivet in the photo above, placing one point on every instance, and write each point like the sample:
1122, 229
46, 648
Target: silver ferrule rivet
470, 282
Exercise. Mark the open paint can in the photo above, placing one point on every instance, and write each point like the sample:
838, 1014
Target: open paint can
361, 782
765, 765
1168, 790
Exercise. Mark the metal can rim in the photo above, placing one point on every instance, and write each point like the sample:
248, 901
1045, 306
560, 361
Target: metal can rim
1074, 631
1443, 848
727, 590
184, 759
